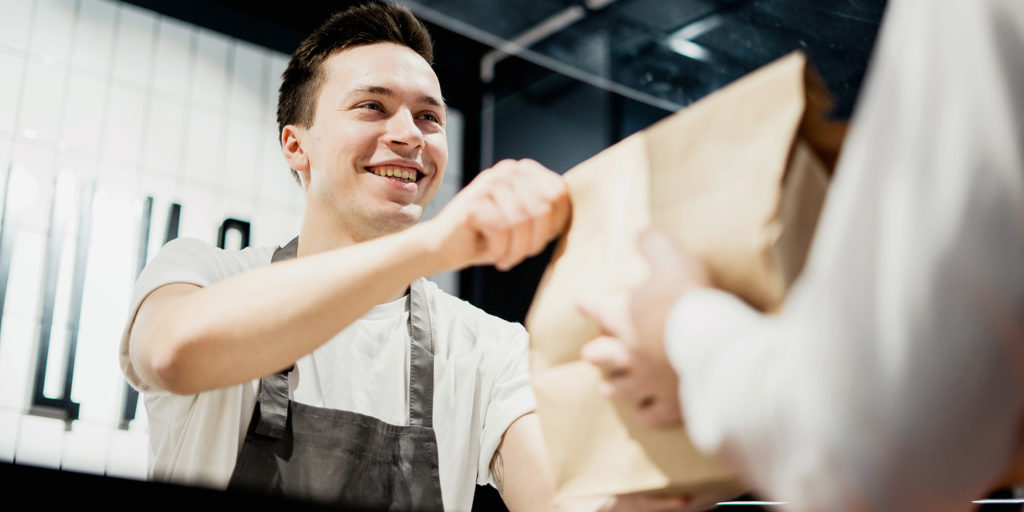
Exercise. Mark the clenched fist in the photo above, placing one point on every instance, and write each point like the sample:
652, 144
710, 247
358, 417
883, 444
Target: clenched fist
506, 214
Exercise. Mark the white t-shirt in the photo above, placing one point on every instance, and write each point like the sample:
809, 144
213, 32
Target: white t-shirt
481, 381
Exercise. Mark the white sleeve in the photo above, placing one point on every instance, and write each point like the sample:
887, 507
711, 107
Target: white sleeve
182, 260
511, 397
891, 380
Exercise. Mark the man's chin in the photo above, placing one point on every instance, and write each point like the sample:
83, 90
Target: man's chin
393, 222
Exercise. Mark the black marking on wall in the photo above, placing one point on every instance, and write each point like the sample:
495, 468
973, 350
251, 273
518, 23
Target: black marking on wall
131, 397
62, 407
173, 219
233, 224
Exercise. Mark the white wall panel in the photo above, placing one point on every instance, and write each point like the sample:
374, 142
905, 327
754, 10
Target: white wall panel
111, 263
10, 89
199, 213
123, 125
273, 226
53, 26
39, 442
248, 76
210, 84
165, 133
204, 146
173, 58
94, 35
81, 164
236, 206
17, 355
9, 421
126, 457
5, 162
243, 166
133, 50
277, 179
41, 101
31, 185
84, 448
84, 109
98, 385
25, 282
276, 66
15, 23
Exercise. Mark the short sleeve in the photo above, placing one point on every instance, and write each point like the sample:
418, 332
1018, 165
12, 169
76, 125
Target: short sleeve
511, 396
183, 260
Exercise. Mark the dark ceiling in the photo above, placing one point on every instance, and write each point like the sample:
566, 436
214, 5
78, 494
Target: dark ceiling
667, 53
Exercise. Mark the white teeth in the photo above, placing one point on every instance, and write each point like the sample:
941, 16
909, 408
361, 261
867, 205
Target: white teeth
396, 172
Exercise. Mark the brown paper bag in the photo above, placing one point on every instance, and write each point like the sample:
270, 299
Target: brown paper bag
738, 178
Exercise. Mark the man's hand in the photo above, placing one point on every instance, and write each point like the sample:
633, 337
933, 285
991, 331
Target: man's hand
631, 351
506, 214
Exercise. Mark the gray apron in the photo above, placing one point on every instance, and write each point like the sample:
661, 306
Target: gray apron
342, 457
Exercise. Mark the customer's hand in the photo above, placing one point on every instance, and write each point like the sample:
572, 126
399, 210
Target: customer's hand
631, 350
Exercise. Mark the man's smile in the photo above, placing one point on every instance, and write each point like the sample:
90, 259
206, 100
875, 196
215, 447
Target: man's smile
403, 174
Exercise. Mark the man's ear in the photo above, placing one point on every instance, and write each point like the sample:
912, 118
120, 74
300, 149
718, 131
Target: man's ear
294, 151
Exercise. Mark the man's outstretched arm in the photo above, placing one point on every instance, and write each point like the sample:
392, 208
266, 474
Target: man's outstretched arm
187, 339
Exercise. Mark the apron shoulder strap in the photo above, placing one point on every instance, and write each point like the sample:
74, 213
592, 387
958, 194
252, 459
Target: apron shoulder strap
272, 404
273, 397
421, 358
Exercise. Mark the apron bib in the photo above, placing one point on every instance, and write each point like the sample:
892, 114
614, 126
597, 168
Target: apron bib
342, 457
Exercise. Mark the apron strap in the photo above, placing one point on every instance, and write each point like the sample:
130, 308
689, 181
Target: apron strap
272, 401
273, 397
287, 252
273, 405
421, 358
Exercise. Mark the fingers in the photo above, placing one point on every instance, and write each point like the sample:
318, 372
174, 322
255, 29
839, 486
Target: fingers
621, 381
523, 206
609, 310
653, 411
608, 355
516, 224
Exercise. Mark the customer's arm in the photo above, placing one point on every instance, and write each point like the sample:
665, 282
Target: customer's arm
891, 380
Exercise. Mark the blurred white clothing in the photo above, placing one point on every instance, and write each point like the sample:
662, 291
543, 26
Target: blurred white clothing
892, 378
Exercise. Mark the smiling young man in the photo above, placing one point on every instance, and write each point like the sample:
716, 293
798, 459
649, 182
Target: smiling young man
338, 373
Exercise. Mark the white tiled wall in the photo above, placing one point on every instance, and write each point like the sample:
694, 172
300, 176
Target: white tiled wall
105, 94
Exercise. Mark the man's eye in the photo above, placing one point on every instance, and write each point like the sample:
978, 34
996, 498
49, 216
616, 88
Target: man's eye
373, 106
431, 117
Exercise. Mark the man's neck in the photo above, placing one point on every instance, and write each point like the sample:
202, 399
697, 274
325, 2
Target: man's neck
314, 238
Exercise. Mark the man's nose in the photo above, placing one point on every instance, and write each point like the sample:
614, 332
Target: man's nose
402, 130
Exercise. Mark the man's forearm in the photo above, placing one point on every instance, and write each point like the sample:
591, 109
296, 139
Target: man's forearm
262, 320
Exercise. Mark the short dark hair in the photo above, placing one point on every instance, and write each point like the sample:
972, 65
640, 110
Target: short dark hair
368, 23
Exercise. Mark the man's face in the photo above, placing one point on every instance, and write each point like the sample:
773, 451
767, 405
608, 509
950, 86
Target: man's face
377, 147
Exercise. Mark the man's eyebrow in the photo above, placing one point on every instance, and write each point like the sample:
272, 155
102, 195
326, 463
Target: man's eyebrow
385, 91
